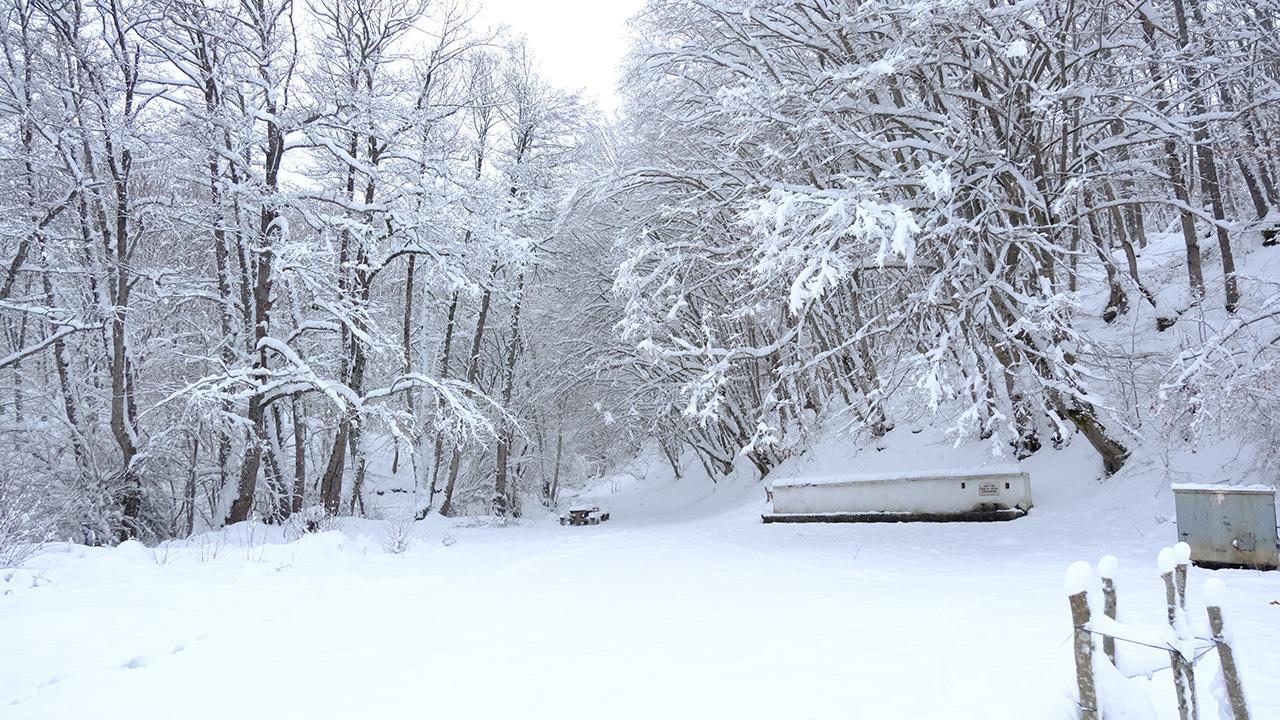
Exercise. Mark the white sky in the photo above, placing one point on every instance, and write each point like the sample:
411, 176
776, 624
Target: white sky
578, 44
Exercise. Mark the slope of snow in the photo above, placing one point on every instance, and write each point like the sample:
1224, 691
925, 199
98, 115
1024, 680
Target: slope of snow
683, 605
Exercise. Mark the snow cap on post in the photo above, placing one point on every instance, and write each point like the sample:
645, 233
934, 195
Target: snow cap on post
1107, 566
1215, 592
1166, 560
1078, 577
1182, 554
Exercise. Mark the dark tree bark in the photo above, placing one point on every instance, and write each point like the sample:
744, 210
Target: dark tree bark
1205, 157
501, 501
262, 263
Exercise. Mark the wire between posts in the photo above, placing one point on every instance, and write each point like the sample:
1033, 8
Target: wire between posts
1196, 656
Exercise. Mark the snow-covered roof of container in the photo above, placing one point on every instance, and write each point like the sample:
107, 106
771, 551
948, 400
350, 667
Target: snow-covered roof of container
1221, 488
943, 474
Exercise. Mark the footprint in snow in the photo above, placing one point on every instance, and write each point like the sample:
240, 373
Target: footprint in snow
136, 662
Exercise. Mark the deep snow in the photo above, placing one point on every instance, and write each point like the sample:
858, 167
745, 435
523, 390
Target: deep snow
683, 605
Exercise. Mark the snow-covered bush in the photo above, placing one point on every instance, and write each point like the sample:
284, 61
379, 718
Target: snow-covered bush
312, 519
28, 517
397, 535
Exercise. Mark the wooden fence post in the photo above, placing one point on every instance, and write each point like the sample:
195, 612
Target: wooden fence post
1214, 593
1181, 560
1107, 569
1077, 587
1179, 665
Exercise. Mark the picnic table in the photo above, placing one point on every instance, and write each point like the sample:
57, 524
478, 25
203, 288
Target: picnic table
584, 516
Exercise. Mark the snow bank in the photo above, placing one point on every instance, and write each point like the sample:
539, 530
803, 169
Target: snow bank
133, 550
1215, 592
1120, 698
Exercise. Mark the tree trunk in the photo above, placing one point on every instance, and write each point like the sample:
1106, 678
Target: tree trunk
473, 367
331, 481
1205, 159
1173, 165
406, 334
122, 428
262, 285
299, 454
500, 500
483, 126
554, 490
437, 452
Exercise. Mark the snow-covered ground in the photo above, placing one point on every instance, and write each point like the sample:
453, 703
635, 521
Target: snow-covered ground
683, 605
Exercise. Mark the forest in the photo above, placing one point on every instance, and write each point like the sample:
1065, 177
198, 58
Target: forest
251, 249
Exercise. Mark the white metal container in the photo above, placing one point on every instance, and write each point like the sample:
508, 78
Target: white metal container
936, 496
